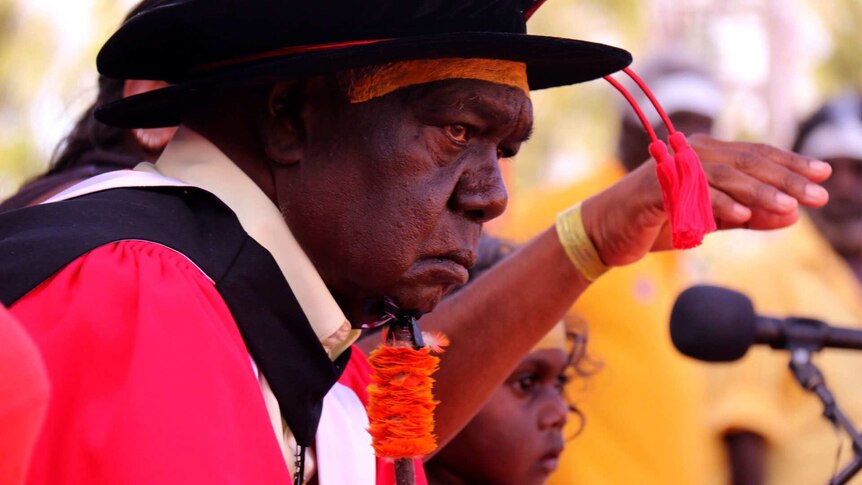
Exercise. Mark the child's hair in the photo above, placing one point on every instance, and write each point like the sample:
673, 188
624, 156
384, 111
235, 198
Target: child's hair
580, 364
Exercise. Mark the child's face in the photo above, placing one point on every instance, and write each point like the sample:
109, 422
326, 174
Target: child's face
518, 436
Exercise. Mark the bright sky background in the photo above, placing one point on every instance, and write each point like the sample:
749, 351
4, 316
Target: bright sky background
60, 99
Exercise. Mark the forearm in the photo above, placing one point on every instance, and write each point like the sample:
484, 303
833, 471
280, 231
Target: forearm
493, 322
497, 319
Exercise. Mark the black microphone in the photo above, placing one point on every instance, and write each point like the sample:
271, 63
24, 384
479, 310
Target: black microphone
719, 325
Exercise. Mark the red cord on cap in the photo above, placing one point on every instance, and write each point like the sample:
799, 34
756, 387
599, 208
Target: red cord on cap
685, 192
694, 217
634, 104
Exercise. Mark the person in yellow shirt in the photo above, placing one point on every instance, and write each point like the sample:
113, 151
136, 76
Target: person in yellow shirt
643, 409
773, 431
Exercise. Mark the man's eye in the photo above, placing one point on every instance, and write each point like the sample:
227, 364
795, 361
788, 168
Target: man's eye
505, 153
458, 133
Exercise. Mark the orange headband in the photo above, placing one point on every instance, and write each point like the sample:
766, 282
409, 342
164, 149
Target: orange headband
396, 75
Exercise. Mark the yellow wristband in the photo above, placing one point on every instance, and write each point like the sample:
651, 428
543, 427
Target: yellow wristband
580, 249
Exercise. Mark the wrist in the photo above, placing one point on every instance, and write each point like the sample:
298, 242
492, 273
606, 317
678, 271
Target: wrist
578, 245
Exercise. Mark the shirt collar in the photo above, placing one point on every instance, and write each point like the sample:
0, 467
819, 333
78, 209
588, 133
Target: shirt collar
193, 159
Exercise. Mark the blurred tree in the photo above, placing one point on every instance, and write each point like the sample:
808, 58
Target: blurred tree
843, 67
22, 50
47, 61
576, 127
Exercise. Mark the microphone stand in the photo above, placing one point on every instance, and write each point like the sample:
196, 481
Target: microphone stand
811, 379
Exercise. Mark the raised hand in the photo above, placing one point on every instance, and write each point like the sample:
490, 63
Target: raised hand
754, 186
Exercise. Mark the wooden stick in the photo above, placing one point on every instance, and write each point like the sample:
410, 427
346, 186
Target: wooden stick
404, 472
404, 334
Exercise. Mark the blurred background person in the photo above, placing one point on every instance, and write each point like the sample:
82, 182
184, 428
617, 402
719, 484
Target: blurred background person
773, 431
834, 134
645, 407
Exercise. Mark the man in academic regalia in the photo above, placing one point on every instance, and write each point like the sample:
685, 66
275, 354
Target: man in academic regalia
193, 313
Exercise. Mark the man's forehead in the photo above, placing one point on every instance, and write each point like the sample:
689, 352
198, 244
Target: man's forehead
467, 93
494, 102
491, 102
375, 81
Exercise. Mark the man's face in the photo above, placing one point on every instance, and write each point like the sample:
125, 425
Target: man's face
390, 195
840, 220
518, 436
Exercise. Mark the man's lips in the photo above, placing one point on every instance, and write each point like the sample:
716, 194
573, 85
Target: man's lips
449, 267
464, 257
443, 270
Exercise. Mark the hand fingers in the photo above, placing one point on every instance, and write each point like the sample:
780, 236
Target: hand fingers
762, 176
730, 214
810, 168
727, 212
762, 220
781, 177
748, 190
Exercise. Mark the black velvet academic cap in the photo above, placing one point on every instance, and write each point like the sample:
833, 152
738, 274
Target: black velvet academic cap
204, 45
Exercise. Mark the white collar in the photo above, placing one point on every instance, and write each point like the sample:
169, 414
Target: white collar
192, 159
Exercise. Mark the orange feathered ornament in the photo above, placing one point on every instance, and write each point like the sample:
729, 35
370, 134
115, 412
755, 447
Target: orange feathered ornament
401, 403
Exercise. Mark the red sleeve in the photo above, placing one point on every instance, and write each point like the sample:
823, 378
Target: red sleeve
151, 380
23, 398
357, 376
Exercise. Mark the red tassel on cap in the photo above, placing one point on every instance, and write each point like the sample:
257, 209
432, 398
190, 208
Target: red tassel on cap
685, 192
693, 217
668, 177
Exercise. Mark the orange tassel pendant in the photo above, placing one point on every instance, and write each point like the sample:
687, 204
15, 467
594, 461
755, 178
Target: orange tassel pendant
401, 403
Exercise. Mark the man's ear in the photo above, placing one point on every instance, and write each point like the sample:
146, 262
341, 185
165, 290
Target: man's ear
282, 127
152, 140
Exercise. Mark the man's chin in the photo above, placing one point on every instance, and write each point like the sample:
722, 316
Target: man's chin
422, 299
407, 298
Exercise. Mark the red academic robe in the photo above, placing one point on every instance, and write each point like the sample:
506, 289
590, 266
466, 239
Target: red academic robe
151, 380
24, 394
148, 352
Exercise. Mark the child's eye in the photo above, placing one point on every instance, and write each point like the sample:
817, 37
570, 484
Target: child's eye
525, 384
561, 382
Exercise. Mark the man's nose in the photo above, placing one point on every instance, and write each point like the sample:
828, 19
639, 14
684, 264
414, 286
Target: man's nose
481, 193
